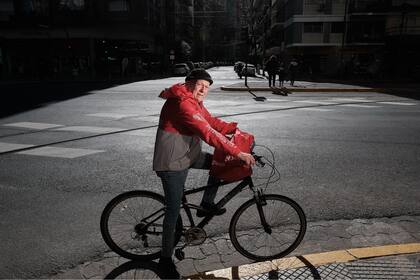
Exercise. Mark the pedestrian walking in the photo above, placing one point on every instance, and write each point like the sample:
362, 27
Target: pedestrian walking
293, 70
271, 68
282, 74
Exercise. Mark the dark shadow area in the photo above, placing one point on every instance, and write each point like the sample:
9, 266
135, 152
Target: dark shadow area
402, 88
307, 272
20, 97
135, 270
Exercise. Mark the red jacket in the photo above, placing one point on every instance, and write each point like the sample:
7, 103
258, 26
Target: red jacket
183, 122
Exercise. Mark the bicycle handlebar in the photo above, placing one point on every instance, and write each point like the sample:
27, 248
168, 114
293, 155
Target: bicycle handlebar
258, 159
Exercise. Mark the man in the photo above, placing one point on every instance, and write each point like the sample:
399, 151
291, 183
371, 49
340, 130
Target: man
271, 67
184, 123
293, 69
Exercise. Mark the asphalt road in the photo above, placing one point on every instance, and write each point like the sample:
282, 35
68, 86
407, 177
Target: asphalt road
341, 156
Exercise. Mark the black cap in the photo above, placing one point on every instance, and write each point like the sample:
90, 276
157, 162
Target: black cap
199, 74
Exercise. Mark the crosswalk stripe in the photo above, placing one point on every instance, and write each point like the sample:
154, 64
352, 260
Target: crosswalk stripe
7, 147
49, 151
33, 125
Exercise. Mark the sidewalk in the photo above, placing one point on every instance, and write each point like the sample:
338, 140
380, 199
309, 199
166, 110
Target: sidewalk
343, 249
383, 262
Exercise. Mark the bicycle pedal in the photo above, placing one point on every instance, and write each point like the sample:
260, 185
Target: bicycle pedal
179, 254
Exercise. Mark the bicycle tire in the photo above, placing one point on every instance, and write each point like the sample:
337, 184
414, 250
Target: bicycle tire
121, 218
251, 240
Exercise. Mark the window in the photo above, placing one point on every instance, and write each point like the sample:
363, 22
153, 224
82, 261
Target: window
337, 27
313, 27
118, 6
72, 5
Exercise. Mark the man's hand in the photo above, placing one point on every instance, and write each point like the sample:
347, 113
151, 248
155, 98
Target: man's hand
247, 158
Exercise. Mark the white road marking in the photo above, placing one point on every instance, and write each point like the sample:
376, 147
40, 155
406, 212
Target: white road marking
7, 147
49, 151
315, 102
340, 99
398, 103
359, 106
315, 109
33, 125
91, 129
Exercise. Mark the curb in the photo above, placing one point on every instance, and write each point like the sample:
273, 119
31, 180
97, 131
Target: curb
293, 89
313, 260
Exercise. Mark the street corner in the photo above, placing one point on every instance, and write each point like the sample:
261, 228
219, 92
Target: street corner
401, 260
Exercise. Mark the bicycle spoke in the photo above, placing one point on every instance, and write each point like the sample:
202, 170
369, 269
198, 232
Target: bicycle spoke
253, 240
132, 225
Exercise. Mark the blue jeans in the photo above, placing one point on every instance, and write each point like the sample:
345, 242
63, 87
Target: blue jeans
173, 185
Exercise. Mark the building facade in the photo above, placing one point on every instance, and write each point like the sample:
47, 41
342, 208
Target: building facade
80, 39
46, 39
350, 38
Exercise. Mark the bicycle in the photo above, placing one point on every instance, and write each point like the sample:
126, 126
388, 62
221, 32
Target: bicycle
265, 227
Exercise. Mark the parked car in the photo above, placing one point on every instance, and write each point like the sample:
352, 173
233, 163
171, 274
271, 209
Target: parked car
249, 70
181, 69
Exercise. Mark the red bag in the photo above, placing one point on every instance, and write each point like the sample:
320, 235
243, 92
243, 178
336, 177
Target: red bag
229, 168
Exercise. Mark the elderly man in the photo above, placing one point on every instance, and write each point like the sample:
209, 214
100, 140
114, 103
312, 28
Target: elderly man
184, 123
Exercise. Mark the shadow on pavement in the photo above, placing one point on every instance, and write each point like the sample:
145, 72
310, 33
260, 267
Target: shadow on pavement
402, 88
135, 270
24, 96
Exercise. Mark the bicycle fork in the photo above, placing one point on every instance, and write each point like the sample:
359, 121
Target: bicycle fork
260, 202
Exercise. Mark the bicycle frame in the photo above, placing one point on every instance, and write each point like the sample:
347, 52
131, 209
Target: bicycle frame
247, 181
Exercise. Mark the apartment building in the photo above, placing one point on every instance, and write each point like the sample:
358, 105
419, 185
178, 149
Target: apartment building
363, 38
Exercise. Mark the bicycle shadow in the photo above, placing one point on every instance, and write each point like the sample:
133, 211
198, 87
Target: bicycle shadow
147, 270
305, 271
135, 270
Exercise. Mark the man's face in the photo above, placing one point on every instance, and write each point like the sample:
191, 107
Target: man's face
200, 89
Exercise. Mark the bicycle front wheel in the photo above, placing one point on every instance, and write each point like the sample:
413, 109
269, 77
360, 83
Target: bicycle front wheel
132, 225
272, 231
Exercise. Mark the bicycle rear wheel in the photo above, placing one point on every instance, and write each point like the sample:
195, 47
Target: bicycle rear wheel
131, 225
286, 226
